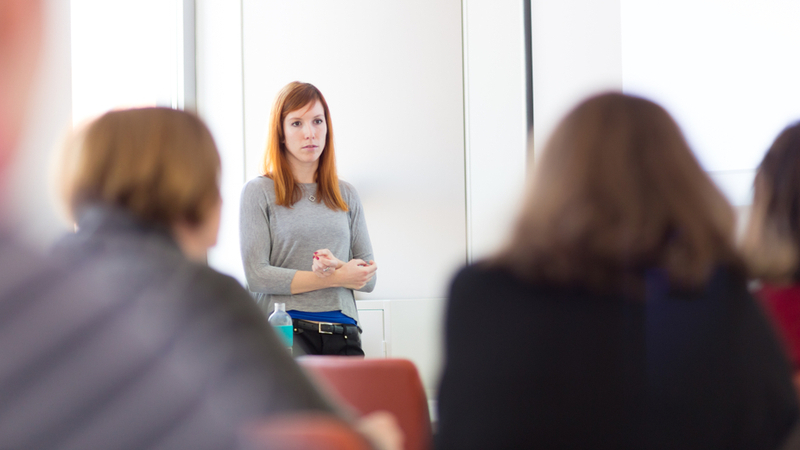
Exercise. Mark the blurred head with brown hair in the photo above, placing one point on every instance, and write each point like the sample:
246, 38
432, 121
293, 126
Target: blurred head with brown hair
771, 243
159, 164
616, 192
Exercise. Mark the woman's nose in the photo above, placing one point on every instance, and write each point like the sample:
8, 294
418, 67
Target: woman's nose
309, 132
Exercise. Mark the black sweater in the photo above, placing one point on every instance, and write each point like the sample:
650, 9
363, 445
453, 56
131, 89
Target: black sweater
532, 366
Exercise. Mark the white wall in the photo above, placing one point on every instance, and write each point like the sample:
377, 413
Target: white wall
725, 71
117, 65
577, 51
220, 102
728, 75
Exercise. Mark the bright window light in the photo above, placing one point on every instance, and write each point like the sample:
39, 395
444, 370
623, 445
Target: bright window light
125, 54
728, 72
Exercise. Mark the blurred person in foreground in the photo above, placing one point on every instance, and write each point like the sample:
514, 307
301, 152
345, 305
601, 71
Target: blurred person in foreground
771, 243
88, 364
617, 314
184, 356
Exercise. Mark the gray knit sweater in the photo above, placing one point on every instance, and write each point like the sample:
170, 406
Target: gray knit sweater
278, 241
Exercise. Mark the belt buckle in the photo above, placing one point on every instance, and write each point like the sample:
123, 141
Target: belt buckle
319, 328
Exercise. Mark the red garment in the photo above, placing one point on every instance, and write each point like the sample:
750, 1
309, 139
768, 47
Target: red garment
783, 305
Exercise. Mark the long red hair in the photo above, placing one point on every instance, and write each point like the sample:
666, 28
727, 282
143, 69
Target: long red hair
294, 96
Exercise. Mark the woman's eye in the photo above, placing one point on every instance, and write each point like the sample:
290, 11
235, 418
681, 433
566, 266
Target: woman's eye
295, 124
318, 121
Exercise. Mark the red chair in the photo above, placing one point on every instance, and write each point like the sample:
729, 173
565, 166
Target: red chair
302, 432
370, 385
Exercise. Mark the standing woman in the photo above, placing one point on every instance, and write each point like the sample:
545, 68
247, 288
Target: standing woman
303, 233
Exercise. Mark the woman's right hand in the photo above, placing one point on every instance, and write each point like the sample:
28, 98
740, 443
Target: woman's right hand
355, 273
324, 263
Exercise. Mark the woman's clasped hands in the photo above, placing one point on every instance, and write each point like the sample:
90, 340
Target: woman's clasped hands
353, 274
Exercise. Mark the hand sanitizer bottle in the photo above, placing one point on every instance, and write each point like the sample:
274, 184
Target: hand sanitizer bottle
281, 321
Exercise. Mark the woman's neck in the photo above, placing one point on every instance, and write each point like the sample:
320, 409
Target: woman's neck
306, 173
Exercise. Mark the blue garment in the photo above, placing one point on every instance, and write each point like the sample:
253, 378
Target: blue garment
325, 316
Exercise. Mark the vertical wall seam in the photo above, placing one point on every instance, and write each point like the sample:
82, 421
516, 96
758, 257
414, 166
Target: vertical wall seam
467, 159
244, 109
189, 57
526, 5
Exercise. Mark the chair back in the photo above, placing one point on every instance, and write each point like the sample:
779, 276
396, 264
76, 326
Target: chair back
370, 385
302, 431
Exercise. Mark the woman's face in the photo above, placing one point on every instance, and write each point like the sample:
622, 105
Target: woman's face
304, 132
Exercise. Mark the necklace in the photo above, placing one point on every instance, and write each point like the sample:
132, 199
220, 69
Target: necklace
311, 197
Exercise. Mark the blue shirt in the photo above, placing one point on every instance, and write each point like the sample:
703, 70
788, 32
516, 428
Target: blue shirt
325, 316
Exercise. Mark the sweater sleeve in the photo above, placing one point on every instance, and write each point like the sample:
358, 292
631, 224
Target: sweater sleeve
360, 245
256, 243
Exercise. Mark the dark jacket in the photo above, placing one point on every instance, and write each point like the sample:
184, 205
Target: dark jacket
124, 343
532, 366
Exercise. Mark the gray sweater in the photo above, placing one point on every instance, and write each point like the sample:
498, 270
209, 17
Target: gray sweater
278, 241
118, 341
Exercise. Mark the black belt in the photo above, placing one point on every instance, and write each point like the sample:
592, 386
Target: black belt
325, 327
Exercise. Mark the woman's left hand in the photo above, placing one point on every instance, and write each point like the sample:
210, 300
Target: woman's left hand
324, 263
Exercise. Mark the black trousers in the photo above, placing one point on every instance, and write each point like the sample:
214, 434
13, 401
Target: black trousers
311, 342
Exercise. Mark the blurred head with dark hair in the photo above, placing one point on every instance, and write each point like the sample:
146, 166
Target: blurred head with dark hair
771, 243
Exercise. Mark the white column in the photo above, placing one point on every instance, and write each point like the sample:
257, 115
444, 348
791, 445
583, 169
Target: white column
495, 118
220, 102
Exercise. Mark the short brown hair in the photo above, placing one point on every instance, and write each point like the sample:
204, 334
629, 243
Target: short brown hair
771, 243
292, 97
160, 164
616, 192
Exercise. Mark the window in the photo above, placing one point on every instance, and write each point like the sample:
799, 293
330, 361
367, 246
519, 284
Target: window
726, 70
129, 53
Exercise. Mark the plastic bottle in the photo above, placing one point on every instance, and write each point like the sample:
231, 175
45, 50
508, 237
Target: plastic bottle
281, 321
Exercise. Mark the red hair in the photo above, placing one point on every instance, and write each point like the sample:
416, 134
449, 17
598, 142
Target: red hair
294, 96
